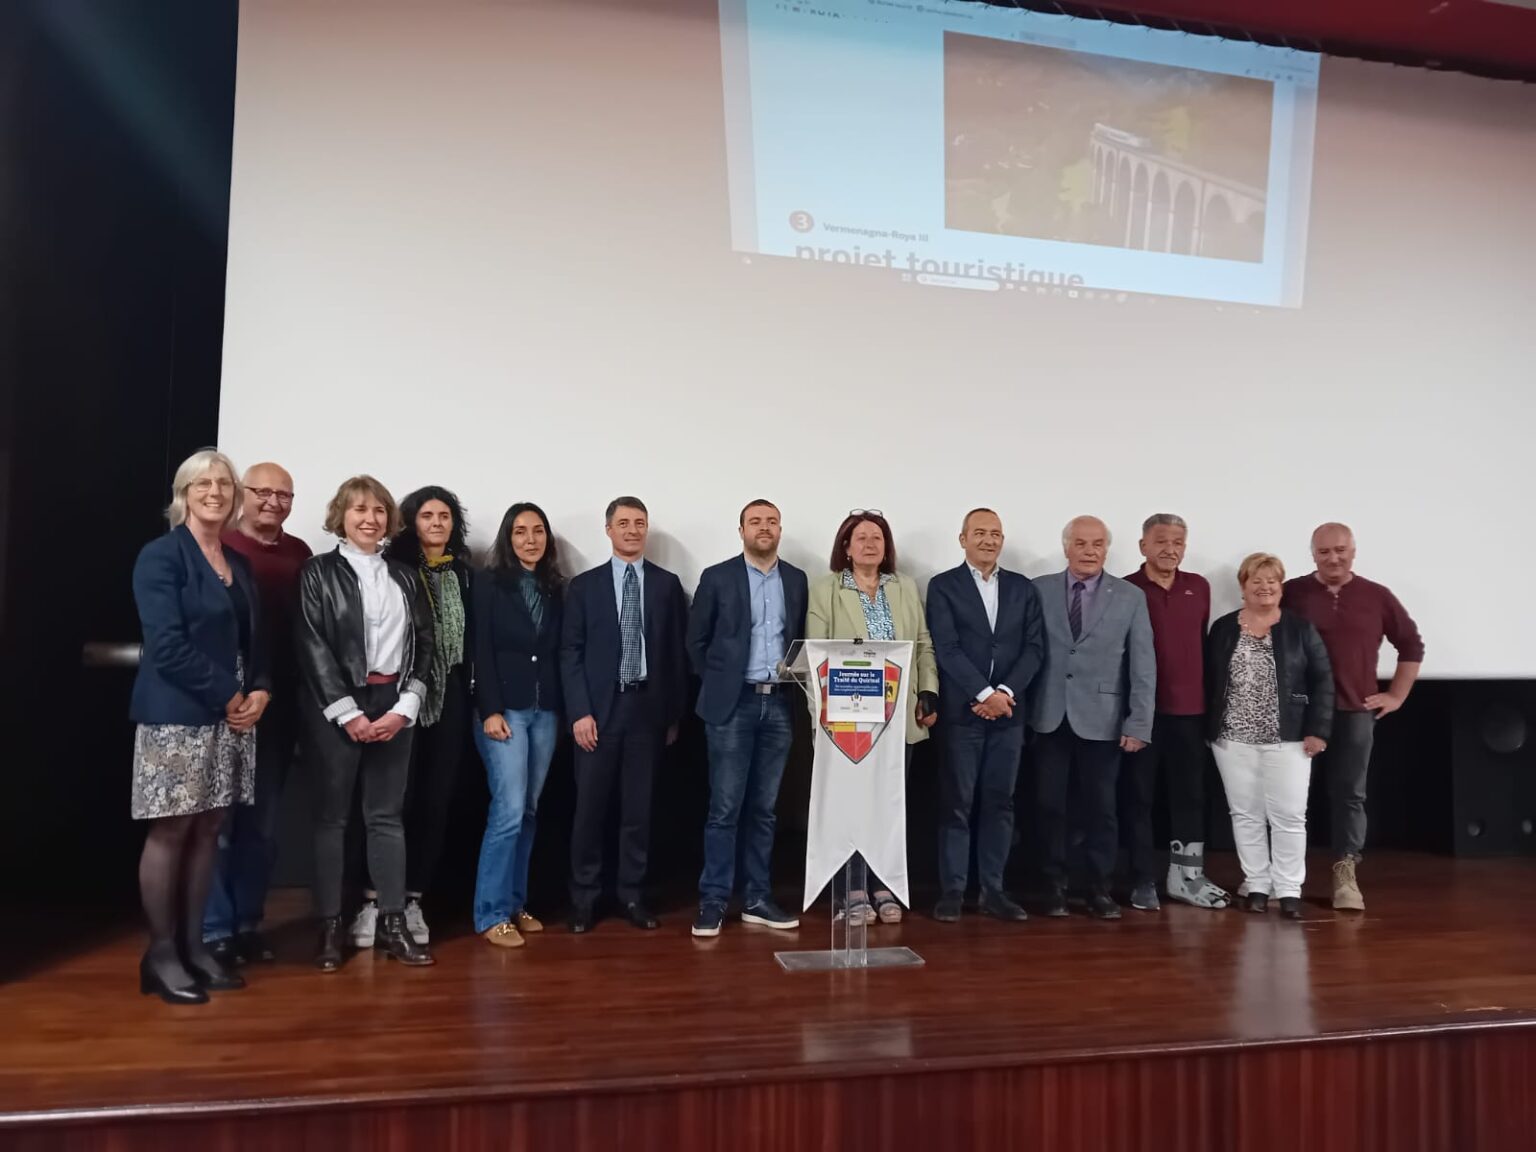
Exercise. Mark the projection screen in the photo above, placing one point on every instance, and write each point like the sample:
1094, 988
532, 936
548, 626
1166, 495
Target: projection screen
554, 251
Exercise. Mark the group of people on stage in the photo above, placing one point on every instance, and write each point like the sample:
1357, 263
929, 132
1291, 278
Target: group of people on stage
369, 662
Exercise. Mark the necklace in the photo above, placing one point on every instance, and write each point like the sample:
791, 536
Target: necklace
220, 566
1245, 621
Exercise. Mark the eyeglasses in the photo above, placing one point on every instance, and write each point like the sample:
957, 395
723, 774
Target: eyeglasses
866, 512
284, 499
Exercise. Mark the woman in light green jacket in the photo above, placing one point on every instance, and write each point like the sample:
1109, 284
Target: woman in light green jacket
863, 597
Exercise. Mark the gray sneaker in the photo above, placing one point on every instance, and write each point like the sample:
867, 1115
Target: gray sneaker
1144, 897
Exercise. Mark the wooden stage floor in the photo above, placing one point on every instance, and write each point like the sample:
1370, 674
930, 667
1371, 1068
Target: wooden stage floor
1412, 1026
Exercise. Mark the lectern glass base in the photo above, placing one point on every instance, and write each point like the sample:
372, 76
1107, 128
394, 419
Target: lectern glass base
851, 912
839, 961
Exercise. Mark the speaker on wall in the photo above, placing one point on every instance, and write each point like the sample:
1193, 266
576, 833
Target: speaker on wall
1493, 769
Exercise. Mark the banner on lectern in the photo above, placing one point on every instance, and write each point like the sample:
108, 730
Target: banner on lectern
861, 699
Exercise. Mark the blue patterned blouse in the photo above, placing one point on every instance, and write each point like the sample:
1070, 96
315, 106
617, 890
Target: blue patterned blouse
877, 612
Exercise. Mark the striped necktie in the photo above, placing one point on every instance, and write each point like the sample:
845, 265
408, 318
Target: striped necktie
1075, 610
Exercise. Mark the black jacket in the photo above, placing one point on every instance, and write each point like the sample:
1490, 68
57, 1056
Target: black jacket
590, 645
517, 666
333, 659
972, 654
1302, 671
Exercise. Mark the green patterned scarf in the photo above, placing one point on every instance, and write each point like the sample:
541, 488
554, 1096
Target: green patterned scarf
442, 584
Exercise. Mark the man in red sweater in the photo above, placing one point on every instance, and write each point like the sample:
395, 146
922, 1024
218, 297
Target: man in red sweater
248, 841
1179, 604
1354, 615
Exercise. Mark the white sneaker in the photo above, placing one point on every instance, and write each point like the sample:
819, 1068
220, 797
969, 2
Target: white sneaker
365, 924
415, 923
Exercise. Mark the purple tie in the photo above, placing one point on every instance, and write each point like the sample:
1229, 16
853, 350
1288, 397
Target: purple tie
1075, 610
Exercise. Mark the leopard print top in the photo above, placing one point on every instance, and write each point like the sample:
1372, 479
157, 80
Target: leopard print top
1253, 693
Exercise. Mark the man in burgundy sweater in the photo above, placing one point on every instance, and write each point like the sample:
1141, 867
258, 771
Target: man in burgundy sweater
1354, 615
248, 841
1179, 604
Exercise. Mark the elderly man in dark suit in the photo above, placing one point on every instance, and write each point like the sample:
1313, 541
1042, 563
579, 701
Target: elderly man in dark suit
624, 672
746, 613
1092, 701
988, 639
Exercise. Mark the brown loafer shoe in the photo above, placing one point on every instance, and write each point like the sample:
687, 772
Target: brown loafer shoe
526, 922
504, 935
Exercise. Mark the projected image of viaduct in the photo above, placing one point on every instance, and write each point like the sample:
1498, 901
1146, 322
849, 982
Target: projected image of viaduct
1164, 205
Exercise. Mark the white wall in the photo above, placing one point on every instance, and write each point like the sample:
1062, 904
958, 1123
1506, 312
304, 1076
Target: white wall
487, 245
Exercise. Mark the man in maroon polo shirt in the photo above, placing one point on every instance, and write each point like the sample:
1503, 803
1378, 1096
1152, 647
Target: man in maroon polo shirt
1179, 604
1353, 615
248, 841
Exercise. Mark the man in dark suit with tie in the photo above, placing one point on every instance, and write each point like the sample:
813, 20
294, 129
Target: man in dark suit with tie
746, 612
623, 668
1092, 701
989, 641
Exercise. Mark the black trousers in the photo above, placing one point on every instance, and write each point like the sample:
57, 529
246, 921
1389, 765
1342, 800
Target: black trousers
983, 754
437, 755
1179, 751
628, 746
379, 771
1066, 764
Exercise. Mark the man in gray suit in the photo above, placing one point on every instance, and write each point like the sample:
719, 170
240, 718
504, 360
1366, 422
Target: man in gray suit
1091, 701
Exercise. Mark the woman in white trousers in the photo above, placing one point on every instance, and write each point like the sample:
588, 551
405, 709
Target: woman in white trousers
1269, 710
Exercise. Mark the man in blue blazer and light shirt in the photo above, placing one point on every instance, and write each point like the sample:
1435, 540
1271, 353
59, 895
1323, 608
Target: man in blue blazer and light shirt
624, 673
746, 613
989, 641
1092, 701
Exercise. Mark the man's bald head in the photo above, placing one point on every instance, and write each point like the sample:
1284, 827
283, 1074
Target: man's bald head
267, 502
268, 475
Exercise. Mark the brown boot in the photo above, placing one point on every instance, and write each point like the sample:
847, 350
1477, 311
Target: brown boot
1346, 890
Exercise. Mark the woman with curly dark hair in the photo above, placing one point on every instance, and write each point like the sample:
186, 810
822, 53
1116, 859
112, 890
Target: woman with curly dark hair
517, 612
432, 541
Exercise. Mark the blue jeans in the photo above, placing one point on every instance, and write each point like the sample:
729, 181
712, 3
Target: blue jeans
746, 763
237, 895
515, 768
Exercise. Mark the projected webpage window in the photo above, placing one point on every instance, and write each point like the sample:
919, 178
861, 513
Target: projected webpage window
988, 148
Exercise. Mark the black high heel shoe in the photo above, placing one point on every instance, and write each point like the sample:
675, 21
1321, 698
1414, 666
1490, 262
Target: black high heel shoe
215, 979
150, 984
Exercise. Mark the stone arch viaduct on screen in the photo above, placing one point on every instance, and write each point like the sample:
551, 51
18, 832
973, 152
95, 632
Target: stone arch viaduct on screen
1165, 205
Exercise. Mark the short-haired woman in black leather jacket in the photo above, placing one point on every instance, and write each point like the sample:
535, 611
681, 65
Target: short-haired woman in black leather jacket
365, 646
1269, 710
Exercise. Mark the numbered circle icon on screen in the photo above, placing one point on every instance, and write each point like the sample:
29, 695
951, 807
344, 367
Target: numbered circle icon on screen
802, 221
